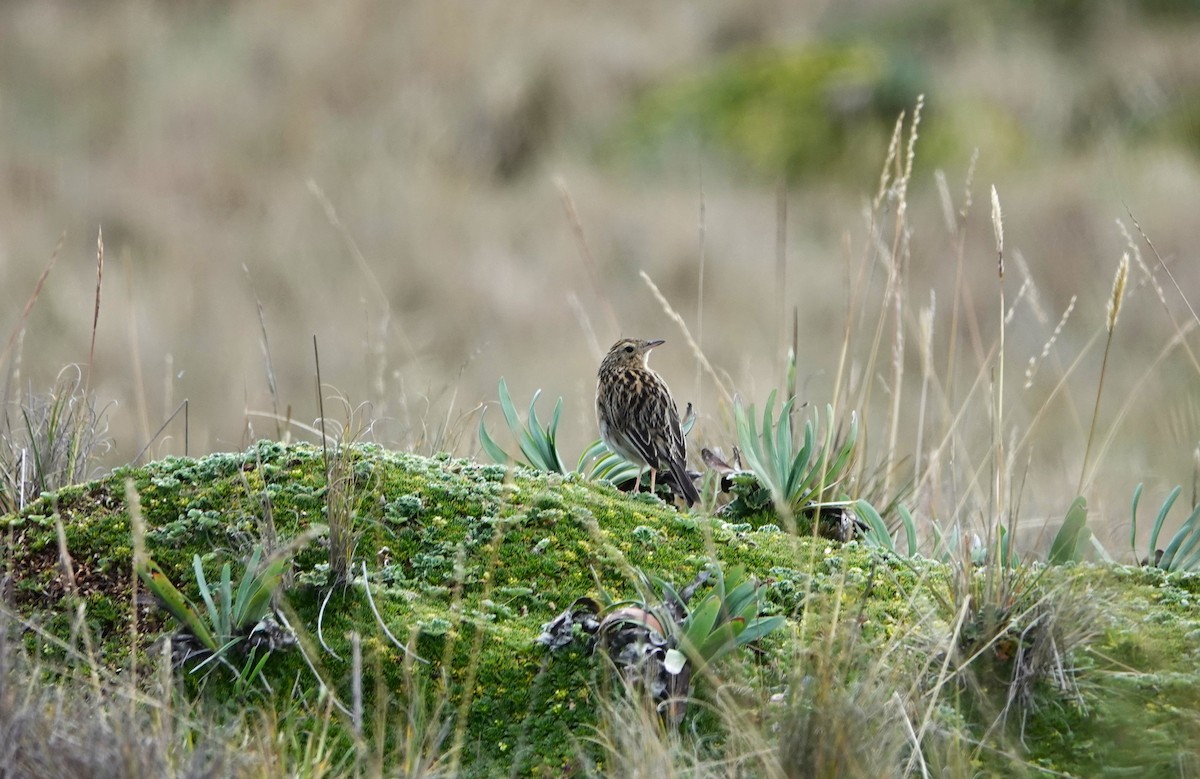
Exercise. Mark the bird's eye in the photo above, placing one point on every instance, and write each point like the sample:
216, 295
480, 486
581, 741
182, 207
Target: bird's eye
629, 348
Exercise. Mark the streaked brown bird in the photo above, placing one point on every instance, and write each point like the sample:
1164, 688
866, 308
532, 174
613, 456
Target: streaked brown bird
638, 419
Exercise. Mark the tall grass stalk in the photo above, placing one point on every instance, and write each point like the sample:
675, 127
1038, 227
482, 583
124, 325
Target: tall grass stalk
702, 261
1114, 310
896, 282
962, 292
281, 427
182, 408
998, 463
926, 331
1149, 279
872, 252
781, 231
956, 224
80, 627
1136, 392
96, 308
340, 489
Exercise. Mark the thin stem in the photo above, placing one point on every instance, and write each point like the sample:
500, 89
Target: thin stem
1095, 413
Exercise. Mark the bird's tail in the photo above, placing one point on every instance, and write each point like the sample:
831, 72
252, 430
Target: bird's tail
680, 482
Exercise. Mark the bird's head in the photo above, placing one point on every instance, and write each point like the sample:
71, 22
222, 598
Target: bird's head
630, 352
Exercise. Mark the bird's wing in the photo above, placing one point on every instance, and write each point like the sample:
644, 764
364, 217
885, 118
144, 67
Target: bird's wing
641, 441
677, 457
676, 447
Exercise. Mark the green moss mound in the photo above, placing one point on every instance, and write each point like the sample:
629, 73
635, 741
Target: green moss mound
466, 562
470, 560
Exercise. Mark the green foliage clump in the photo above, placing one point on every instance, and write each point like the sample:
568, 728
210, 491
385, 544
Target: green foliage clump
662, 641
784, 111
1182, 552
799, 480
235, 621
538, 443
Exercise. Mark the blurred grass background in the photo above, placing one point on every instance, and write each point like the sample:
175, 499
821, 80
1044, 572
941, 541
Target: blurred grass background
399, 180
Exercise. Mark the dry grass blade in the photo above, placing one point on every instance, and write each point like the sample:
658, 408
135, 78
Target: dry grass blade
96, 308
183, 406
925, 323
1162, 264
377, 288
702, 238
998, 465
70, 584
726, 395
962, 292
896, 289
288, 618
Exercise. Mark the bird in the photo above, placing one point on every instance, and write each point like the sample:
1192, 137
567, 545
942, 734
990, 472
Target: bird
638, 419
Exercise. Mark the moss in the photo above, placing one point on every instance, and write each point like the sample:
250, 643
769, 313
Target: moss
469, 561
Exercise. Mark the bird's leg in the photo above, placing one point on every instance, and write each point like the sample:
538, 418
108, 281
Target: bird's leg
653, 475
637, 482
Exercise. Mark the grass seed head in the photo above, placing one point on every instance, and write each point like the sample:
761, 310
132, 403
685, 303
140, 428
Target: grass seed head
998, 228
1118, 291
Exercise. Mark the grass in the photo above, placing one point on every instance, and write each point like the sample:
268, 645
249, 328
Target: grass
447, 561
415, 611
477, 562
415, 616
51, 440
54, 730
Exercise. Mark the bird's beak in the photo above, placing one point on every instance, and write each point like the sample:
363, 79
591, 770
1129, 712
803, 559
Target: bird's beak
651, 344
